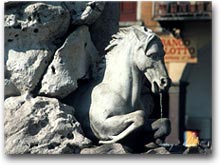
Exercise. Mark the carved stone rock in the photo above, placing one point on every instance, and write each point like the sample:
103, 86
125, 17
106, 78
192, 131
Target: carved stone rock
115, 148
42, 126
73, 61
29, 37
26, 68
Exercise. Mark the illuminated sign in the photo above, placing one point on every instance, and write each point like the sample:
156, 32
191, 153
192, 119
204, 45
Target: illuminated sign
179, 50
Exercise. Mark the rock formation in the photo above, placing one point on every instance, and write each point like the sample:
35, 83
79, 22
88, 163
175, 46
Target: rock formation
48, 51
41, 125
74, 60
29, 36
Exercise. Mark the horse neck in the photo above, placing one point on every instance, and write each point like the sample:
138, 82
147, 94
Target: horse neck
123, 76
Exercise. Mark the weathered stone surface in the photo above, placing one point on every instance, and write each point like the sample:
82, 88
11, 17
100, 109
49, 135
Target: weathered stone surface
105, 26
115, 148
30, 30
84, 13
26, 68
36, 22
41, 126
159, 150
73, 61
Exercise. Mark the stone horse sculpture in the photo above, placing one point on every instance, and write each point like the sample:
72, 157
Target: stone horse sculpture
116, 109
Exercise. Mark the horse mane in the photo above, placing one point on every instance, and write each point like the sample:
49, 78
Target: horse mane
145, 34
116, 38
141, 32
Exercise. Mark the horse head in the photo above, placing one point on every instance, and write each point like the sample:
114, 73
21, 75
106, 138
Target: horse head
149, 59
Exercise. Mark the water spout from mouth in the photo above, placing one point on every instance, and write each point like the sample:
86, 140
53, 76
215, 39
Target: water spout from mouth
161, 105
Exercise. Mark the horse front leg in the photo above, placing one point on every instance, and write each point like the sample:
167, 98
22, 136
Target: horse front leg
160, 128
123, 125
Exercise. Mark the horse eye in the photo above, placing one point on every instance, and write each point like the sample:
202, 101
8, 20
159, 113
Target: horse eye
154, 56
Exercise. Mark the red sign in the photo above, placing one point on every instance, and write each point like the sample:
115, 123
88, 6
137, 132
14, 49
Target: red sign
179, 50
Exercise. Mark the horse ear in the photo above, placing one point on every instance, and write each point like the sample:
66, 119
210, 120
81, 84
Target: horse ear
140, 35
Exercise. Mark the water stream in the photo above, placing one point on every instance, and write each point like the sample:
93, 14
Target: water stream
161, 106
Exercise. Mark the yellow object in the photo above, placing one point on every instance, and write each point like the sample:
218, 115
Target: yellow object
191, 139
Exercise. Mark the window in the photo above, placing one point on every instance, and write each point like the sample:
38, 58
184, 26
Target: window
182, 10
128, 11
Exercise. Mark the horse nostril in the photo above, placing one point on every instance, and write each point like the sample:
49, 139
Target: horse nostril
163, 81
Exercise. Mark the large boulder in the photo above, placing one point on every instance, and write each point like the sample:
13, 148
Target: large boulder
41, 126
26, 68
31, 31
73, 61
35, 21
